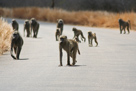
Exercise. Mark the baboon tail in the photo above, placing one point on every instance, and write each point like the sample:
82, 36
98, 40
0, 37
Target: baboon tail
78, 52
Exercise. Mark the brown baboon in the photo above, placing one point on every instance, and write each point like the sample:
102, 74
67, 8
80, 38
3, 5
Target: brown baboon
27, 28
15, 25
35, 27
16, 44
57, 34
92, 36
71, 47
78, 32
123, 25
60, 24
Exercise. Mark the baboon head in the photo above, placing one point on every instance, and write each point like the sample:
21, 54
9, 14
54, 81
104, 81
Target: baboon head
60, 22
63, 39
13, 20
74, 29
90, 33
33, 21
26, 22
16, 35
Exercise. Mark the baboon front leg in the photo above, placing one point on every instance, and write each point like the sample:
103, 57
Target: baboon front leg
120, 30
91, 42
128, 29
88, 41
68, 58
60, 49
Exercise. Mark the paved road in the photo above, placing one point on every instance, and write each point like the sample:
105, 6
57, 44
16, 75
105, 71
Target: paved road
109, 67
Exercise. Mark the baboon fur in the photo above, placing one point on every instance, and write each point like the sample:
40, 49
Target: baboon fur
71, 48
57, 34
60, 24
123, 25
15, 25
92, 36
78, 32
27, 28
16, 44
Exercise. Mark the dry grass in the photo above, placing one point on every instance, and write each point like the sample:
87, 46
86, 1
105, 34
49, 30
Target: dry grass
86, 18
5, 36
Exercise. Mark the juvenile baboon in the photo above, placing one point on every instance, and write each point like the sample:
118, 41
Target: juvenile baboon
60, 24
78, 32
71, 47
92, 36
16, 44
123, 25
57, 33
27, 28
15, 25
35, 27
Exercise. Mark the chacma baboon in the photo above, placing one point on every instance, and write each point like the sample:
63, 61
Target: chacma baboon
57, 34
71, 47
60, 24
92, 36
27, 28
35, 27
78, 32
16, 44
15, 25
123, 25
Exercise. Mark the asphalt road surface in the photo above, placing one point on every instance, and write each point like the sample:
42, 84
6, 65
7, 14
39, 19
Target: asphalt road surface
109, 67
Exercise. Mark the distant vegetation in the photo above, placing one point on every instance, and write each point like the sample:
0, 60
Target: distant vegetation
75, 5
86, 18
5, 36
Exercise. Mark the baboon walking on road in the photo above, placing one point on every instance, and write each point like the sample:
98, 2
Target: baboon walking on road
71, 47
123, 25
16, 44
35, 27
15, 25
92, 36
57, 34
27, 28
60, 24
78, 32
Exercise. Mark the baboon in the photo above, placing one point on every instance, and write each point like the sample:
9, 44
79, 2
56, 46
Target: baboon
15, 25
92, 36
71, 47
60, 24
123, 25
27, 28
78, 32
35, 27
57, 34
16, 44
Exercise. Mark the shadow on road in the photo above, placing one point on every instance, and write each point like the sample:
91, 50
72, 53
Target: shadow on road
24, 59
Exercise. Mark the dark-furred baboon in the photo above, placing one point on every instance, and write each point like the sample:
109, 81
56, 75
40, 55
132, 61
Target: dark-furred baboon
60, 24
71, 47
35, 27
123, 25
16, 44
92, 36
57, 34
15, 25
78, 32
27, 28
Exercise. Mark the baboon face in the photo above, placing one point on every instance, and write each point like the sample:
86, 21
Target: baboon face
26, 22
13, 21
15, 35
74, 29
63, 39
90, 33
60, 22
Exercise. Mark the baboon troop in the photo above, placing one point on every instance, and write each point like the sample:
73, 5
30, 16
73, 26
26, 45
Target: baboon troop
71, 48
27, 28
92, 36
78, 32
16, 44
15, 25
123, 25
60, 24
57, 34
35, 27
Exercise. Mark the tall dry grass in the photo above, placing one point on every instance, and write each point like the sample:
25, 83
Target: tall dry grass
86, 18
5, 36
